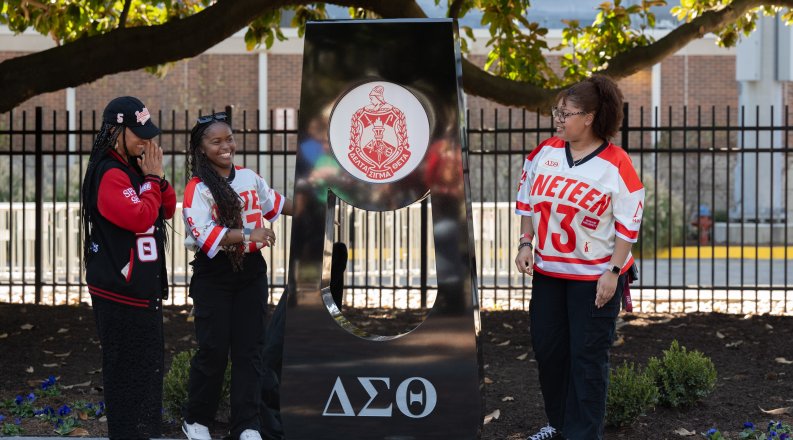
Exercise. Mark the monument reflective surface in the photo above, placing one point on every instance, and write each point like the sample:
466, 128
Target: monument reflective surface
381, 128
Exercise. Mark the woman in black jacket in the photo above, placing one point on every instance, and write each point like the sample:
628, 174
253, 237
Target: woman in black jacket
125, 201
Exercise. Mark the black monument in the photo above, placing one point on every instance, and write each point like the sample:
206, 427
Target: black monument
381, 127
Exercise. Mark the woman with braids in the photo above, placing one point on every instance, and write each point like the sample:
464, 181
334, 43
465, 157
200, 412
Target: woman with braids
125, 200
580, 202
224, 211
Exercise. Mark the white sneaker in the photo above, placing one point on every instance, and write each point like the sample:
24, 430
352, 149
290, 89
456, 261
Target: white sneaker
250, 434
545, 433
196, 431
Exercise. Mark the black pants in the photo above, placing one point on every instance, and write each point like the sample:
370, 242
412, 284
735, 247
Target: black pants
571, 340
230, 315
132, 368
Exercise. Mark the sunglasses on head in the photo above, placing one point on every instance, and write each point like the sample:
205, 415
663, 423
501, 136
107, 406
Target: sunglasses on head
220, 116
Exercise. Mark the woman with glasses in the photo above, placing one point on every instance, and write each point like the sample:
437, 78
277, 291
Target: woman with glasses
580, 202
125, 201
224, 210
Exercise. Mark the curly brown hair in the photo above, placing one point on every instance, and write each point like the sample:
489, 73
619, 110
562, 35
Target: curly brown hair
600, 95
228, 202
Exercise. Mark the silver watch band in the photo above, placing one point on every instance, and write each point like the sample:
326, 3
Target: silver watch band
246, 234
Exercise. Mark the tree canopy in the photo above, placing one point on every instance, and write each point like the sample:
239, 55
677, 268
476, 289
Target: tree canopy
95, 38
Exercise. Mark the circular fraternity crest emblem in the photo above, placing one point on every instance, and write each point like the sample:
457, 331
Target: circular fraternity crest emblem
379, 132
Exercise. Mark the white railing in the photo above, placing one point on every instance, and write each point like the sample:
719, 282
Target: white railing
385, 251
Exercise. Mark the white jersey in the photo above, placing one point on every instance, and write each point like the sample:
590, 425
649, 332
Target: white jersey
259, 203
578, 209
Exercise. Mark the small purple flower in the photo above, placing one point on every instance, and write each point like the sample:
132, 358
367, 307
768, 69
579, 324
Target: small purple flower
2, 417
64, 410
784, 436
748, 425
17, 421
19, 400
58, 423
31, 397
711, 431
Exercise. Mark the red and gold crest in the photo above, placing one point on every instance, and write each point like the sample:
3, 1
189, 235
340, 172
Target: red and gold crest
378, 137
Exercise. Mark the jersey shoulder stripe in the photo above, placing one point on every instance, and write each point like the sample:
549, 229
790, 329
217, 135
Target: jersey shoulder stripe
189, 192
553, 142
619, 158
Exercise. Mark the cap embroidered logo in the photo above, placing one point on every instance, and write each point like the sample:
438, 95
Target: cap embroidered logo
142, 116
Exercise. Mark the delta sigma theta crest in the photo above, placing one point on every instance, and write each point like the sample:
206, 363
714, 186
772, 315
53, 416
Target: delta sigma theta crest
379, 132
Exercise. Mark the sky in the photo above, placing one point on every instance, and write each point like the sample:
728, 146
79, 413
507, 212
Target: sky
548, 13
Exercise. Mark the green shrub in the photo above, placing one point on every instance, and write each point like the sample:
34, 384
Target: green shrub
174, 392
683, 378
631, 393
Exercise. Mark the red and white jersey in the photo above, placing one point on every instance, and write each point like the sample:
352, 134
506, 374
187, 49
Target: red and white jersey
578, 209
259, 203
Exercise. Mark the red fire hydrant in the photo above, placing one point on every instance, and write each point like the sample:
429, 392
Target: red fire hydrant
703, 223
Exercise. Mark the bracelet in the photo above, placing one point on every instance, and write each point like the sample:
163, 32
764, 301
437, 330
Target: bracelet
526, 244
526, 235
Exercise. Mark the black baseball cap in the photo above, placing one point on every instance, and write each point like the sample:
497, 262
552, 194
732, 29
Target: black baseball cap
130, 112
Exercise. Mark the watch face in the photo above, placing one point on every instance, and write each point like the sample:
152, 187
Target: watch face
615, 269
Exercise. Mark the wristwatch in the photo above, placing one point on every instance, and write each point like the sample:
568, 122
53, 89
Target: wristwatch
246, 234
615, 269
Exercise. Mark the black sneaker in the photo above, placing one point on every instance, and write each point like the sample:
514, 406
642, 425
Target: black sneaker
547, 432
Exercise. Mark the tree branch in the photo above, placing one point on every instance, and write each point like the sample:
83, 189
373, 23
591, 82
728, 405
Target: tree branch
122, 21
121, 50
91, 58
454, 8
629, 62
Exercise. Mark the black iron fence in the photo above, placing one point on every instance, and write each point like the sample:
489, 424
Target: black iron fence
715, 235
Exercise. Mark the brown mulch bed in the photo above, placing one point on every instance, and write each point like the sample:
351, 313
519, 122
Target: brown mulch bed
62, 342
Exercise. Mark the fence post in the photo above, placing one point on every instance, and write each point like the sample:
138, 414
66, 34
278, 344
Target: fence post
228, 110
424, 221
39, 238
625, 118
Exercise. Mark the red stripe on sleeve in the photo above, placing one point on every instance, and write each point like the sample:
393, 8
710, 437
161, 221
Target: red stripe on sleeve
210, 241
276, 207
522, 206
625, 231
189, 191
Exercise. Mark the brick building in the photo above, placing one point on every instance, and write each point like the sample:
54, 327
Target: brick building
700, 78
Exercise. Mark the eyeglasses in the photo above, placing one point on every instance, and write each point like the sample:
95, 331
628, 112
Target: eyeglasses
562, 116
220, 116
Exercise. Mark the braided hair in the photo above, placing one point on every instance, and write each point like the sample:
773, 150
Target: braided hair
105, 140
228, 210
